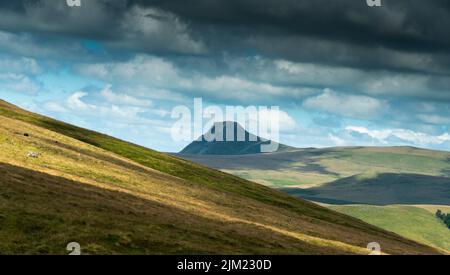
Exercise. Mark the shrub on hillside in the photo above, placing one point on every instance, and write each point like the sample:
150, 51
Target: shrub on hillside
444, 217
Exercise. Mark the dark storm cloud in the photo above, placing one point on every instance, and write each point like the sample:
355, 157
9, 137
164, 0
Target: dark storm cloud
119, 24
95, 19
403, 36
339, 31
345, 32
399, 24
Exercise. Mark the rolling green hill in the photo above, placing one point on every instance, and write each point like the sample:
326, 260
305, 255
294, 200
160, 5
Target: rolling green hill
379, 176
306, 168
60, 183
414, 222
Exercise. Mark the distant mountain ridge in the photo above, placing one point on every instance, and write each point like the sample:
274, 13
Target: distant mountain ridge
217, 141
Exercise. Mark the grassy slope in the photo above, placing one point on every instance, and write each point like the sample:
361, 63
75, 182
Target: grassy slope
409, 221
359, 174
433, 208
116, 197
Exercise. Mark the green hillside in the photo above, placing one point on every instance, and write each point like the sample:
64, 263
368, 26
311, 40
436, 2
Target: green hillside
353, 175
114, 197
306, 168
357, 175
410, 221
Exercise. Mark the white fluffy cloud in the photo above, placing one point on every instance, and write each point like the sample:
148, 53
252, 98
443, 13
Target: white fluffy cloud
123, 99
21, 65
337, 140
285, 122
75, 104
18, 74
159, 73
143, 69
359, 81
140, 124
232, 87
107, 104
408, 136
20, 83
355, 106
434, 119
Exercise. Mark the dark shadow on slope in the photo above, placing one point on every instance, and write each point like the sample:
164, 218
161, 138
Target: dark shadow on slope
446, 172
41, 214
383, 189
301, 160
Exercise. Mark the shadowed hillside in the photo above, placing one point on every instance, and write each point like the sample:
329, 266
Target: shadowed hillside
115, 197
382, 189
306, 168
357, 175
43, 213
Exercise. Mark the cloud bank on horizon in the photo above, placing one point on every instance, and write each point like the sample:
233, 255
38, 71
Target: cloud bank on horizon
342, 73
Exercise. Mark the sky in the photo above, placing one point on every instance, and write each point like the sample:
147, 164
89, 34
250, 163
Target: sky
341, 72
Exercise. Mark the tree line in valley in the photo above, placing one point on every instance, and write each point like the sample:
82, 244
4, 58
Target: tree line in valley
444, 217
